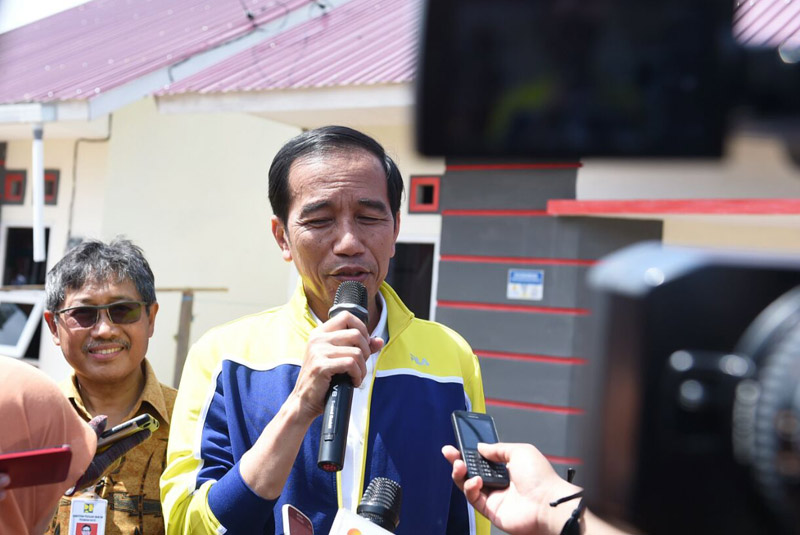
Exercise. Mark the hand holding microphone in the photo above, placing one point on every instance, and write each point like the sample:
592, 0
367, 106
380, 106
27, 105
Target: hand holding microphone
351, 296
340, 346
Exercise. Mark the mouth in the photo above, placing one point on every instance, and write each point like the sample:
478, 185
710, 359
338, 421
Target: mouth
350, 273
106, 350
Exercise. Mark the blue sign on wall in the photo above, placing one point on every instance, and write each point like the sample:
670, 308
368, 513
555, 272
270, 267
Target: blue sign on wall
527, 284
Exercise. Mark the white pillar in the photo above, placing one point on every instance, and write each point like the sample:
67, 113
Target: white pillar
37, 178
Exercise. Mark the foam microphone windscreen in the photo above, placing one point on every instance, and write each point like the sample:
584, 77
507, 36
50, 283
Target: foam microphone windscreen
381, 503
352, 297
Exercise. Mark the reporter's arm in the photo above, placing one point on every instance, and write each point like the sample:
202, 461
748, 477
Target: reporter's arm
104, 461
524, 507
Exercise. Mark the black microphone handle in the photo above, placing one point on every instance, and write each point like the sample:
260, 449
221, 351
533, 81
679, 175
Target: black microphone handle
351, 296
335, 423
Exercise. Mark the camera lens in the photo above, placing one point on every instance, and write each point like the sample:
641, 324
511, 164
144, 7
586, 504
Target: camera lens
766, 415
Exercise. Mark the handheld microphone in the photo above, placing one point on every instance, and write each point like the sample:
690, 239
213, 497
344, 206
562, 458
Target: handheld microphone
351, 296
378, 512
381, 503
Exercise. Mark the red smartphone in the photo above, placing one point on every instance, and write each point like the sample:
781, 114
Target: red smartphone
295, 522
36, 467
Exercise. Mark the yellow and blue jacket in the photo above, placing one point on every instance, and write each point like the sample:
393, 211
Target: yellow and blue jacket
238, 375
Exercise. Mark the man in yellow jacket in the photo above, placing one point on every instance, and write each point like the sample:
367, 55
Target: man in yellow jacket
246, 429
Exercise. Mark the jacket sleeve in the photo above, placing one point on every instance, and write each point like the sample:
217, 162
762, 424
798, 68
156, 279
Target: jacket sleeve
202, 491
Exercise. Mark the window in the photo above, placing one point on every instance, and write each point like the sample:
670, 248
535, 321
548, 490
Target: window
51, 178
411, 276
20, 269
424, 194
14, 188
20, 318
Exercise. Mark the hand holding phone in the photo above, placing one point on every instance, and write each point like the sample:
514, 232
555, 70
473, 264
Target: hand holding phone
113, 444
126, 429
471, 428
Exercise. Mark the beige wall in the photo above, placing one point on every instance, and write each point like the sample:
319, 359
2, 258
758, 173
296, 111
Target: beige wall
191, 190
759, 235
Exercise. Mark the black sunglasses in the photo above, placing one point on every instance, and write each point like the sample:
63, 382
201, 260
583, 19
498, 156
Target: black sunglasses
85, 316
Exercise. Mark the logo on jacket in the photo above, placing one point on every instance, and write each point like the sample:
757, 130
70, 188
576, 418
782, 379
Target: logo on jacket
423, 362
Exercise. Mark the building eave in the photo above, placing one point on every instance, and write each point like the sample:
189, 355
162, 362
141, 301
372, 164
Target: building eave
376, 105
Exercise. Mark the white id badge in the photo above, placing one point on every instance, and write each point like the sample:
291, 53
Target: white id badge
87, 516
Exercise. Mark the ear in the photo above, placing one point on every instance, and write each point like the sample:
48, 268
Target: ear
281, 238
151, 319
50, 319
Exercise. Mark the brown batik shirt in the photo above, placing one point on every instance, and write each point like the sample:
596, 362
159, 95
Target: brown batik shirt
132, 486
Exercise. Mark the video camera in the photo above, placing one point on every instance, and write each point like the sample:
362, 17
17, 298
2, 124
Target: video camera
620, 78
694, 406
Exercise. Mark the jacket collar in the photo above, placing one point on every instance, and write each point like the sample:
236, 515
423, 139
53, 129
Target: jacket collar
398, 315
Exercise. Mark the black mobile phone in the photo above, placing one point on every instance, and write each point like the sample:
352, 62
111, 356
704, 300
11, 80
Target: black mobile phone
126, 429
471, 428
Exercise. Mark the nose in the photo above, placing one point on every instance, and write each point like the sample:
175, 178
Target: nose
348, 240
103, 326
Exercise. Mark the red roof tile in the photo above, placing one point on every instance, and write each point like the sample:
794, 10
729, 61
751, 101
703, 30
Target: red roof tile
768, 23
361, 42
103, 44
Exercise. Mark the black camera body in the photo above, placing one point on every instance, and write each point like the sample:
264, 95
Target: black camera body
694, 402
612, 78
695, 397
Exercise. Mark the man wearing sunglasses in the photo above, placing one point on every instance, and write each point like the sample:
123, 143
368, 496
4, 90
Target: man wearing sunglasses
101, 310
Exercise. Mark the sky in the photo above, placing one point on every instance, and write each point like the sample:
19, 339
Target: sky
15, 13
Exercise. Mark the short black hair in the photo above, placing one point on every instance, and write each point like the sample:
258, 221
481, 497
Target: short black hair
96, 261
324, 140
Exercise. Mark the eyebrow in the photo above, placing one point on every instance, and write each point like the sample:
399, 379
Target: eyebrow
89, 301
312, 207
371, 203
